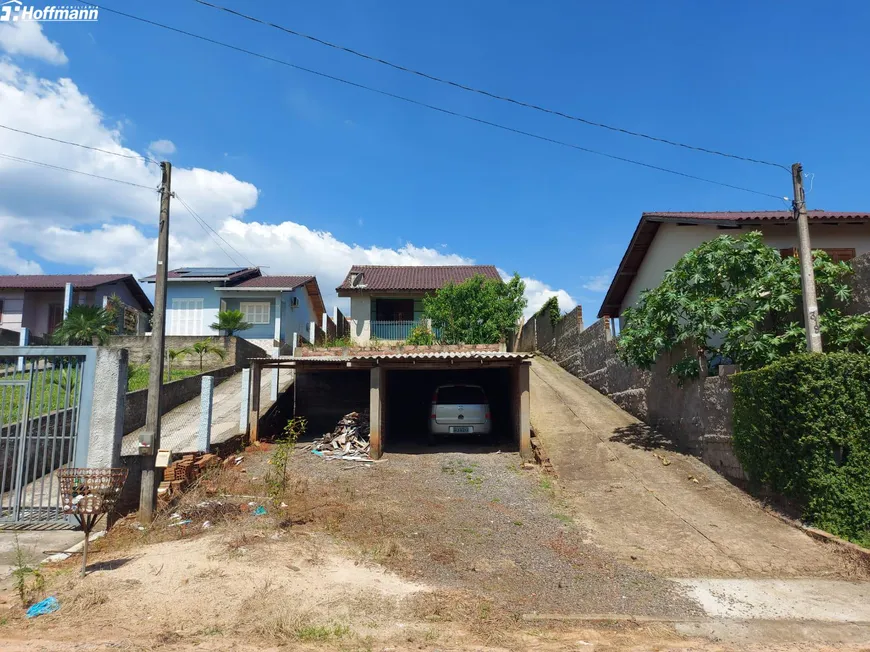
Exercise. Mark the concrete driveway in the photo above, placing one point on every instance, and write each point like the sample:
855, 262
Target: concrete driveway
658, 509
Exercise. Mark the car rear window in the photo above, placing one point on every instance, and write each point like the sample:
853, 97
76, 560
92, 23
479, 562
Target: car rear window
459, 394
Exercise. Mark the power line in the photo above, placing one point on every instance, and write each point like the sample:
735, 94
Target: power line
424, 104
495, 96
67, 142
206, 225
58, 167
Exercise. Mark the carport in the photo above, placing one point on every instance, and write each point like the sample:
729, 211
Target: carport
397, 389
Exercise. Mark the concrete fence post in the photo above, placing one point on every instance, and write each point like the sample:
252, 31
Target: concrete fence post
23, 340
205, 405
273, 390
107, 409
244, 410
295, 343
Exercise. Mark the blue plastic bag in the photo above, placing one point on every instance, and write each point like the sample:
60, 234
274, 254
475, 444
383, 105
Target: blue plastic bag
47, 606
260, 511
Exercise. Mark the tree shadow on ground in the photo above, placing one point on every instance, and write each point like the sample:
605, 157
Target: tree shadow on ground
640, 435
109, 565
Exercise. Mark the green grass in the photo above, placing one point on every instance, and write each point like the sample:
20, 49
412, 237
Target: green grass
567, 520
137, 377
322, 632
47, 394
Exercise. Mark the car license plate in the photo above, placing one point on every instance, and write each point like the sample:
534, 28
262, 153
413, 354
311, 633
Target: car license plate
460, 429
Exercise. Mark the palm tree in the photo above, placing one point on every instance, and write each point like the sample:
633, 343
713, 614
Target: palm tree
175, 354
206, 347
231, 321
83, 325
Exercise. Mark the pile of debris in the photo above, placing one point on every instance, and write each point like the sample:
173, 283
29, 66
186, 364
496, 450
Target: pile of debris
178, 475
349, 441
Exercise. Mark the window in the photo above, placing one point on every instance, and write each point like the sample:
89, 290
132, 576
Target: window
837, 255
256, 312
187, 317
393, 309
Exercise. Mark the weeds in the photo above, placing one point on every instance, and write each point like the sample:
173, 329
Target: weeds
567, 520
322, 632
29, 581
276, 478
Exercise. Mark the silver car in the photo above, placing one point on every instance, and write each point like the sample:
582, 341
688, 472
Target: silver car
460, 409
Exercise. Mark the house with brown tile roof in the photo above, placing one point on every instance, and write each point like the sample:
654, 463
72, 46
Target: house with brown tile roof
275, 306
36, 301
662, 238
386, 301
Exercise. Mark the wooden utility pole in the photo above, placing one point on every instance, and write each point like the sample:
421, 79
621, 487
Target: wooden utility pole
149, 441
808, 278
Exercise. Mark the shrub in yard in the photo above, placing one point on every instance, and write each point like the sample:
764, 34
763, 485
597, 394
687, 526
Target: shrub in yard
802, 428
421, 336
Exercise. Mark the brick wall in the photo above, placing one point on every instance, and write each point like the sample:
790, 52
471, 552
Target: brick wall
696, 416
338, 351
239, 350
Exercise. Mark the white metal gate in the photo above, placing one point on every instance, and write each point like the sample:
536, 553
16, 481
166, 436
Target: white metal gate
46, 395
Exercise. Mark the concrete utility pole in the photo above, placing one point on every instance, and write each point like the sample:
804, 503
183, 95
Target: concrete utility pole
808, 278
150, 439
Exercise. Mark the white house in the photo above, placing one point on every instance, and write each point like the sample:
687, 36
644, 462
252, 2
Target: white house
661, 239
276, 306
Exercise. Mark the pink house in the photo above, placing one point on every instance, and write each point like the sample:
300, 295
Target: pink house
36, 302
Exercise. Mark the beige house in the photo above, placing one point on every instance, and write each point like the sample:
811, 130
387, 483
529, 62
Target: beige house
661, 239
386, 301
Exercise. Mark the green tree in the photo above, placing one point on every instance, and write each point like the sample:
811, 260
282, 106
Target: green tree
476, 311
231, 321
207, 347
83, 325
176, 354
737, 300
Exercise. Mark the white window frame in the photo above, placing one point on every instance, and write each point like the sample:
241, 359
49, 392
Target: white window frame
187, 316
254, 311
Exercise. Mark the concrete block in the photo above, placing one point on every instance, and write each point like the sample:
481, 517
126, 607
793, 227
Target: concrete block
107, 413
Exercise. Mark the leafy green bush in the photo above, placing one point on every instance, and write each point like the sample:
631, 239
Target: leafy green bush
421, 336
802, 427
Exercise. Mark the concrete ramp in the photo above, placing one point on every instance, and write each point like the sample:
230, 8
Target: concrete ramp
180, 427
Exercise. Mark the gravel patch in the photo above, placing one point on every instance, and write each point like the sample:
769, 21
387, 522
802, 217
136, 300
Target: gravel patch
477, 521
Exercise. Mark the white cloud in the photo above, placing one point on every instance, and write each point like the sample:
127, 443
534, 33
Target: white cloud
101, 226
537, 293
163, 147
25, 38
599, 283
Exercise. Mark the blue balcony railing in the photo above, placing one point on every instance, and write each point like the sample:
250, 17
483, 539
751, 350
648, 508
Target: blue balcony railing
392, 330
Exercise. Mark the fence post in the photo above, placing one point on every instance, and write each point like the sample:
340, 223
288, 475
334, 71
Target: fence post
295, 342
244, 410
273, 391
23, 340
205, 405
104, 388
67, 298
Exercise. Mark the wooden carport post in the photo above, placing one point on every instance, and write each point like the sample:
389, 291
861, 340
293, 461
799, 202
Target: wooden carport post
376, 418
520, 377
254, 420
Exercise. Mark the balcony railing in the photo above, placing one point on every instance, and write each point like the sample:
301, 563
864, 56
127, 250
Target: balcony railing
392, 330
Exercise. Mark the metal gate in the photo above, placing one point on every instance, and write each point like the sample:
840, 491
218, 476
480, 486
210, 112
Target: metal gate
45, 408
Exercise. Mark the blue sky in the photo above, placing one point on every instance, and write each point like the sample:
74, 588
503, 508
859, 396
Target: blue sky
380, 173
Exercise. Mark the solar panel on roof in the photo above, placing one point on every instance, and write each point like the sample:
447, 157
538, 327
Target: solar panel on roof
196, 272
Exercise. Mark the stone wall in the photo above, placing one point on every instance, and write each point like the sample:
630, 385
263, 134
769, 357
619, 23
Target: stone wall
172, 395
239, 350
696, 416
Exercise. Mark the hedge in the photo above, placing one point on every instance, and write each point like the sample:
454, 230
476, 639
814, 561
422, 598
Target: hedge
802, 428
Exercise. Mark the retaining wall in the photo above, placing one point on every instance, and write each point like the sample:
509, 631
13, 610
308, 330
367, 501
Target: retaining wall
860, 283
696, 416
239, 350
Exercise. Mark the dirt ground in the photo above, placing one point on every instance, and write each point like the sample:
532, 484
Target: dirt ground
446, 550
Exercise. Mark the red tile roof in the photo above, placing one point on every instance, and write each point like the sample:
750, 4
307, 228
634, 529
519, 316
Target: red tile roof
752, 216
283, 282
407, 278
80, 282
649, 223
